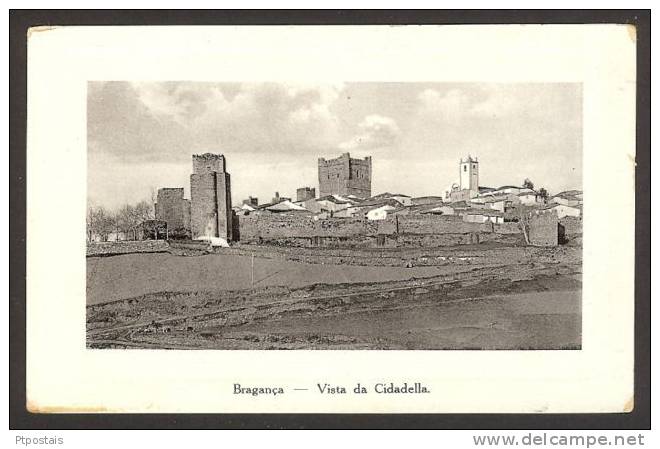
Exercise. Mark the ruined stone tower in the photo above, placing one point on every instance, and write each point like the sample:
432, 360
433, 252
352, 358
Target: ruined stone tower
210, 196
305, 193
345, 176
174, 209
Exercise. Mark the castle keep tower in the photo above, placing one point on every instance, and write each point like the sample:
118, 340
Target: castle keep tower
469, 175
210, 196
345, 176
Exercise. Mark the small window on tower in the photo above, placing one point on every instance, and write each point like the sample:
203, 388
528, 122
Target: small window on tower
465, 168
474, 165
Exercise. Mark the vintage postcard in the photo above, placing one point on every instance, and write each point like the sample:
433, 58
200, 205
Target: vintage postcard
427, 219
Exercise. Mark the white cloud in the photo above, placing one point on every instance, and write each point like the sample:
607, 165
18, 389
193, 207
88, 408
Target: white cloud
499, 102
165, 120
449, 106
375, 132
492, 101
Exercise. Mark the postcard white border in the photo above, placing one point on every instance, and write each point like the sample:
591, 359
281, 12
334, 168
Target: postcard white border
64, 376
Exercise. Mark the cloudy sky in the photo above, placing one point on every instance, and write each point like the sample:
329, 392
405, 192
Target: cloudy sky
141, 135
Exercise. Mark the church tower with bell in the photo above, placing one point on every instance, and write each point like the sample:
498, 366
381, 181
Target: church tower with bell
469, 176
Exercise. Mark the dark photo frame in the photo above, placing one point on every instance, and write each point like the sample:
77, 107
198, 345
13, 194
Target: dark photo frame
21, 418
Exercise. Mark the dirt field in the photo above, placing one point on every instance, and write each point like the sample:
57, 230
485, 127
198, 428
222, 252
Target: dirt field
525, 321
127, 276
461, 299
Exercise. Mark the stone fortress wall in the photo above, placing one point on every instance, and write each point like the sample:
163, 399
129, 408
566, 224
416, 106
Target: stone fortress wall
404, 231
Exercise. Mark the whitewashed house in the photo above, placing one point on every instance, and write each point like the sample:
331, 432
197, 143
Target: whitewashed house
529, 198
501, 203
286, 206
380, 213
569, 198
483, 216
348, 212
327, 206
244, 209
565, 211
514, 190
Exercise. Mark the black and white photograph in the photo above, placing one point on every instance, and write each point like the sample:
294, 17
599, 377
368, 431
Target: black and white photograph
351, 215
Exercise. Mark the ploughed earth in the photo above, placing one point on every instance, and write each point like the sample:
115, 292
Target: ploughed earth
468, 297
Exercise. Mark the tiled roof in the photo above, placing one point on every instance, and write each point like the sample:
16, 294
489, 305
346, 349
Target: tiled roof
426, 197
552, 206
285, 206
568, 194
389, 195
334, 199
379, 202
459, 204
484, 212
496, 199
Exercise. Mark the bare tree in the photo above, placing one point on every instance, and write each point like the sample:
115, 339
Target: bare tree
90, 218
128, 220
523, 222
100, 222
144, 211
